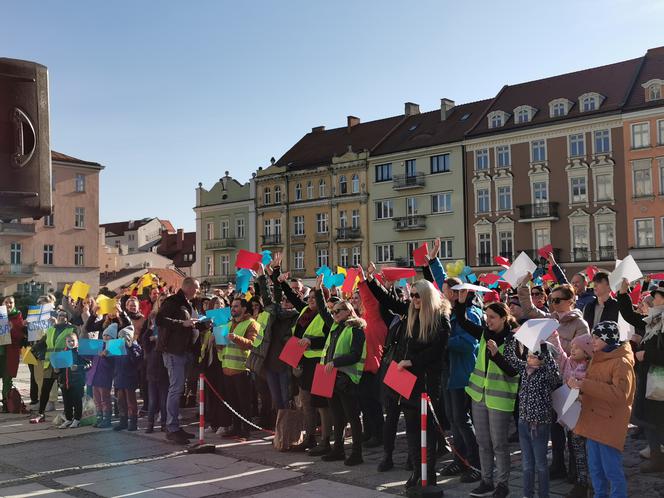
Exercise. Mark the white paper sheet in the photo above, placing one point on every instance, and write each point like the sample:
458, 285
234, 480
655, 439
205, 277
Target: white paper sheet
570, 418
471, 287
558, 398
628, 269
571, 398
521, 266
533, 332
626, 330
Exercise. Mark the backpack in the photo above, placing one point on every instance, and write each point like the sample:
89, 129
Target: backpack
14, 402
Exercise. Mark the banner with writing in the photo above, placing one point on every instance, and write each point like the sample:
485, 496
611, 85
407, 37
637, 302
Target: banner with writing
38, 320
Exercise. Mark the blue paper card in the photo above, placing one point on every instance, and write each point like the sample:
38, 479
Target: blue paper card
221, 334
267, 257
116, 347
90, 347
472, 278
323, 270
219, 315
334, 280
403, 282
62, 359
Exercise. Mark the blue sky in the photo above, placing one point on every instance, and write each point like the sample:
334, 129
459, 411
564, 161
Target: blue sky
169, 93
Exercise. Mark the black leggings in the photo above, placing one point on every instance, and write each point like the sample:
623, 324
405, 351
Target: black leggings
346, 408
413, 433
392, 413
46, 386
72, 398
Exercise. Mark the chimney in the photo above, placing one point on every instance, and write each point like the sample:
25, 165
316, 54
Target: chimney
411, 109
352, 121
317, 129
446, 105
179, 241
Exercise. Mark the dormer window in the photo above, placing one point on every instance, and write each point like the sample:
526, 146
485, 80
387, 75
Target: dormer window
497, 119
590, 101
524, 114
654, 89
559, 107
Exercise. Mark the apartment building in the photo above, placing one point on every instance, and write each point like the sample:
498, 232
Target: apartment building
132, 236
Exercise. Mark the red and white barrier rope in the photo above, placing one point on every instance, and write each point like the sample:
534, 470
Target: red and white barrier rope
201, 409
423, 437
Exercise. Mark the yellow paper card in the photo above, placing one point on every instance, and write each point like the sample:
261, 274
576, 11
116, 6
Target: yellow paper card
341, 270
65, 291
79, 290
106, 304
28, 357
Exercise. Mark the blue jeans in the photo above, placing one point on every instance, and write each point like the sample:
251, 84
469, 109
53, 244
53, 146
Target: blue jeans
605, 465
158, 395
176, 365
277, 382
534, 441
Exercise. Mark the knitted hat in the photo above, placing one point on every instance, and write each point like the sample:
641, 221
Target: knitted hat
608, 332
585, 342
126, 333
111, 331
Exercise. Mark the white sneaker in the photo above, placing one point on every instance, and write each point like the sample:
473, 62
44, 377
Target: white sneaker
220, 431
74, 424
65, 424
209, 430
50, 406
645, 452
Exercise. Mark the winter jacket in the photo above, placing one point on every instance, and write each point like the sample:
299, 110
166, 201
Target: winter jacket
13, 351
174, 337
126, 368
155, 371
535, 388
101, 372
610, 312
606, 397
376, 329
69, 377
571, 325
569, 368
278, 330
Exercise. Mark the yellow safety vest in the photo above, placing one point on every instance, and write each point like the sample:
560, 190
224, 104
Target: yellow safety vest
233, 356
498, 389
343, 347
54, 344
314, 329
263, 319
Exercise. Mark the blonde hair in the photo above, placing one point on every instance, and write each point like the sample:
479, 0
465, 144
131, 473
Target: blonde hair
353, 319
433, 307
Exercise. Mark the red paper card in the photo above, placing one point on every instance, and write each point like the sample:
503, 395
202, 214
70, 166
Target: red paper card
419, 255
247, 259
499, 260
349, 283
504, 285
292, 352
657, 276
323, 383
489, 278
636, 294
545, 251
591, 271
402, 381
395, 274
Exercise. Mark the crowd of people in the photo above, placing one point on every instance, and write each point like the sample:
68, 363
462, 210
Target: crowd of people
460, 345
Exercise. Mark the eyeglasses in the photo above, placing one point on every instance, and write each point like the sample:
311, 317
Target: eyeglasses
414, 295
338, 310
536, 294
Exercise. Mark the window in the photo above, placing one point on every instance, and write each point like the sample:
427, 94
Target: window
538, 151
321, 223
277, 227
277, 195
411, 206
224, 229
482, 159
505, 198
484, 248
540, 192
542, 237
441, 203
579, 189
505, 241
298, 260
80, 182
298, 191
225, 264
79, 255
355, 218
355, 184
577, 145
483, 200
267, 227
655, 92
660, 132
446, 249
322, 188
495, 119
503, 155
384, 253
343, 185
79, 217
209, 266
440, 163
588, 103
343, 257
410, 247
383, 172
645, 232
48, 220
640, 135
580, 237
602, 142
641, 178
15, 253
267, 196
661, 175
210, 231
604, 187
558, 109
523, 116
384, 209
310, 190
322, 258
343, 219
298, 225
605, 236
239, 228
356, 255
411, 168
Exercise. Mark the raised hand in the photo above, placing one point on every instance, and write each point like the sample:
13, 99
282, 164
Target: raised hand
283, 277
435, 249
319, 282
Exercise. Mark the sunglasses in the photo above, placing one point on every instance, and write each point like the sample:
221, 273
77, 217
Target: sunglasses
338, 310
536, 294
557, 300
414, 295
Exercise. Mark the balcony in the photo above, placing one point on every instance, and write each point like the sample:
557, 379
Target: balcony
538, 212
18, 270
416, 222
17, 229
347, 233
484, 259
322, 236
220, 243
533, 254
607, 253
580, 254
402, 182
272, 240
219, 279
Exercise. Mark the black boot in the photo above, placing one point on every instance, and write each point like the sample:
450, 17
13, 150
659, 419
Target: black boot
386, 463
309, 442
322, 448
336, 454
355, 457
122, 424
150, 428
132, 425
414, 479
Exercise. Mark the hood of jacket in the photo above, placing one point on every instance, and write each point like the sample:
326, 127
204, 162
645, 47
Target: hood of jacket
623, 352
570, 316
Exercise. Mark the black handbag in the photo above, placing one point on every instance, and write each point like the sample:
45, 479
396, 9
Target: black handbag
39, 350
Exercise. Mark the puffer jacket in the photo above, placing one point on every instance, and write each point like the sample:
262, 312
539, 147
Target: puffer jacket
607, 394
572, 323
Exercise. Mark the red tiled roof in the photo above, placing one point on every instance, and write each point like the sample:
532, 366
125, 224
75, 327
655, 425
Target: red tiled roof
652, 68
167, 225
427, 129
59, 156
317, 147
612, 81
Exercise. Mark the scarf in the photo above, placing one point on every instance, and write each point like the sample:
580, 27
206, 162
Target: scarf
654, 322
